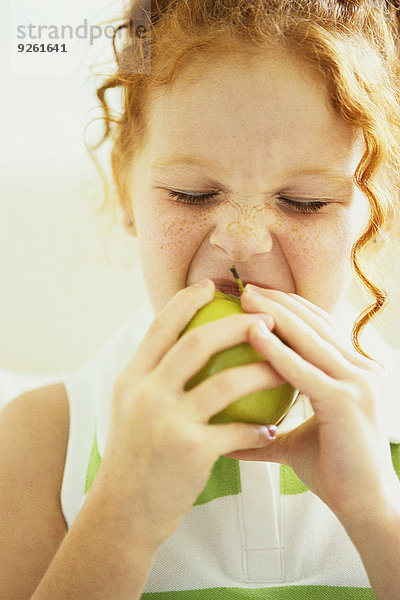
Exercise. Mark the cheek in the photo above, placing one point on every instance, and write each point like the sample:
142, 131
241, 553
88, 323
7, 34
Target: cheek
168, 240
319, 256
329, 244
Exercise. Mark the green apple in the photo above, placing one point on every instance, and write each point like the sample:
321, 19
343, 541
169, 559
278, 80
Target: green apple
266, 407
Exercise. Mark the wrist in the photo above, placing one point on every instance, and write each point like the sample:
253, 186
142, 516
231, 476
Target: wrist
376, 536
377, 515
125, 513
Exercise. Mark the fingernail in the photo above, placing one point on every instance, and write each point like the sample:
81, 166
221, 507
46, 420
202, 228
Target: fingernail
272, 431
253, 291
204, 283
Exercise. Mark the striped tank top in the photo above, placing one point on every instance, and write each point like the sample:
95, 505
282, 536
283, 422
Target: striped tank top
255, 531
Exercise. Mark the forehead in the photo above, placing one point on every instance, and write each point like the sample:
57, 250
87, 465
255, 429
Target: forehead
252, 113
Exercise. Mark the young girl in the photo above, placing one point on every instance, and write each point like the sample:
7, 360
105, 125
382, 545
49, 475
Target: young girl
262, 134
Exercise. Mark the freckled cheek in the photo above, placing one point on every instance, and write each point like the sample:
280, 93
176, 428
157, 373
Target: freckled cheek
315, 246
181, 236
320, 253
168, 242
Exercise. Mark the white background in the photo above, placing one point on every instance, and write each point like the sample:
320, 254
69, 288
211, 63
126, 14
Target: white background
67, 280
68, 276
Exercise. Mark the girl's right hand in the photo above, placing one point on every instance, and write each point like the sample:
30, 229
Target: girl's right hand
161, 447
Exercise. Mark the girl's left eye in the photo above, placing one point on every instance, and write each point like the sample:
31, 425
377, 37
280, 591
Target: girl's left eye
304, 207
192, 199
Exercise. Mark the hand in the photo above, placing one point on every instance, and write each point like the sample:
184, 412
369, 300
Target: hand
161, 448
342, 452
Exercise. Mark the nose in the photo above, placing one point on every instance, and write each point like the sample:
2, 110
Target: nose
242, 240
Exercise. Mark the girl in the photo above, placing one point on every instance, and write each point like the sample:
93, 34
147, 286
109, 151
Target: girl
262, 134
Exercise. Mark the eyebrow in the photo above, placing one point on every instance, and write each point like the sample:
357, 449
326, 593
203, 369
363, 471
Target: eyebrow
329, 172
168, 164
184, 161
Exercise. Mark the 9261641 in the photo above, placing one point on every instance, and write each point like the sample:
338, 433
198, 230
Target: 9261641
42, 48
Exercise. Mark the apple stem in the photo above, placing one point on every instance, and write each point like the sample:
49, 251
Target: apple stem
237, 278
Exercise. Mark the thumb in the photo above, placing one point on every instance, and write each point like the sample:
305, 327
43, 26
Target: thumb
276, 452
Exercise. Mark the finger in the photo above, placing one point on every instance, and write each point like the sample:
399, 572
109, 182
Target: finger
293, 301
317, 310
195, 348
217, 392
168, 325
280, 306
309, 344
348, 349
275, 452
240, 436
285, 449
304, 376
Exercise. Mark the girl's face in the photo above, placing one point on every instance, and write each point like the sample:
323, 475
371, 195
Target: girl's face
248, 165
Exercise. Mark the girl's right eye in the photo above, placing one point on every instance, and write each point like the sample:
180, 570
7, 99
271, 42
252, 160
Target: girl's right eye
194, 200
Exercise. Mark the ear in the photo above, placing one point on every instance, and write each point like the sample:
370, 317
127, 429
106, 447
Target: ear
130, 225
121, 183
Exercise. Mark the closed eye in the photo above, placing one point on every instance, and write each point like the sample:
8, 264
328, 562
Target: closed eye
194, 199
303, 206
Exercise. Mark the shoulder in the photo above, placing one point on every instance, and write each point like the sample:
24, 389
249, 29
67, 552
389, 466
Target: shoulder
33, 442
33, 439
37, 416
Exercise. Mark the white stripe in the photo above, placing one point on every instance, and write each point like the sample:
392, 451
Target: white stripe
317, 548
81, 434
260, 518
205, 551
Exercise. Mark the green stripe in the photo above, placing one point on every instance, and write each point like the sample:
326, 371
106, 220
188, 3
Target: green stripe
93, 466
225, 478
224, 481
290, 483
395, 450
298, 592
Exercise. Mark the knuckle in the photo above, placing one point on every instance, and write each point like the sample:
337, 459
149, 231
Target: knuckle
161, 324
191, 441
314, 337
184, 294
256, 436
351, 393
328, 327
226, 381
255, 374
371, 378
194, 340
328, 319
363, 392
301, 370
193, 295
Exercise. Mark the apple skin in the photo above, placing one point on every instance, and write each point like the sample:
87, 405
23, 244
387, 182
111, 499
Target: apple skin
266, 407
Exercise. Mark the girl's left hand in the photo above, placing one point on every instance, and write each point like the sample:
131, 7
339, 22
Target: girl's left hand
342, 452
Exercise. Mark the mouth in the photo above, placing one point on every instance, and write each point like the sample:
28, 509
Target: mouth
229, 287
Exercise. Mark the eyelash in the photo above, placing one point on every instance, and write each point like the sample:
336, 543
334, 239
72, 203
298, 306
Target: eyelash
201, 199
304, 207
192, 199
